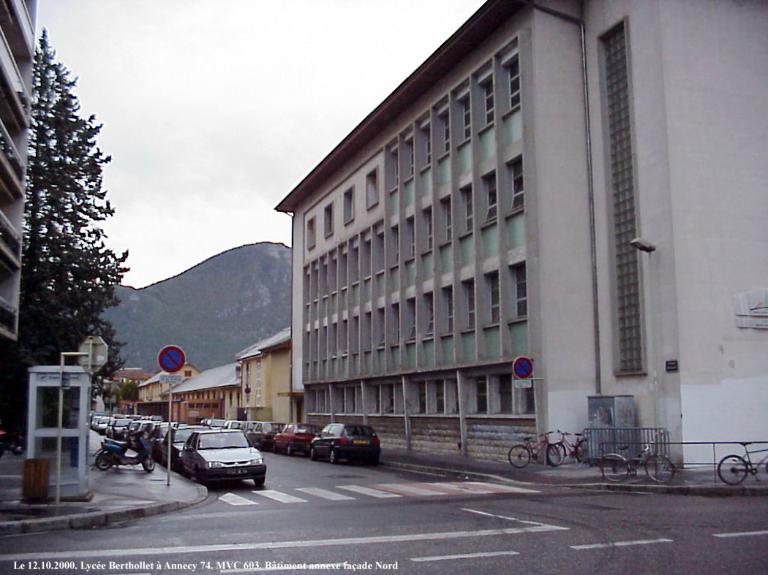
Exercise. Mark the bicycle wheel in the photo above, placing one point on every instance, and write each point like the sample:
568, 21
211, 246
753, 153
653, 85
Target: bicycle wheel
660, 468
581, 451
555, 454
732, 469
519, 456
614, 467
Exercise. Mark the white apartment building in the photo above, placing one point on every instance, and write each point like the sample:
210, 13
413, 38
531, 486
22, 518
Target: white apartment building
17, 47
487, 209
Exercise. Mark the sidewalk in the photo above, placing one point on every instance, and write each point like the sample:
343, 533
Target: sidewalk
118, 495
689, 481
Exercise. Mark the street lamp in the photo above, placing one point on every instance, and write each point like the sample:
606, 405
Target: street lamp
647, 247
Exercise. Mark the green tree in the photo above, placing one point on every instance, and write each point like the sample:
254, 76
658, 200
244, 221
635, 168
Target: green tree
68, 274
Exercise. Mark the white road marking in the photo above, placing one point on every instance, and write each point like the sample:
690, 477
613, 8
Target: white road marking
489, 514
464, 556
325, 494
407, 489
234, 499
279, 496
298, 544
497, 488
368, 491
740, 534
620, 544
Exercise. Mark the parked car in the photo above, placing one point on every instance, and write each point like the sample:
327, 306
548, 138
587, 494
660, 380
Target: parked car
295, 437
233, 424
216, 423
178, 439
117, 429
222, 455
261, 434
346, 441
99, 423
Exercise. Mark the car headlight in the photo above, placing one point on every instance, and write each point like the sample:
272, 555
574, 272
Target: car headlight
215, 464
256, 461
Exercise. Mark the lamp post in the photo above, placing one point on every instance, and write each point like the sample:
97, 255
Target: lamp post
647, 247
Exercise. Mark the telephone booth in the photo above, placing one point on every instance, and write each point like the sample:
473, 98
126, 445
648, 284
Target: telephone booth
42, 427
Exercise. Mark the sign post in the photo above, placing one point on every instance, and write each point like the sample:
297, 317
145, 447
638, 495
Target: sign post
171, 359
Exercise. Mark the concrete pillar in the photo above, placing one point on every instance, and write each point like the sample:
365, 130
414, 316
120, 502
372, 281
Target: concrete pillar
406, 418
364, 399
461, 396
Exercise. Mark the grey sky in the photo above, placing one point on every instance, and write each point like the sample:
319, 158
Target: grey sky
213, 110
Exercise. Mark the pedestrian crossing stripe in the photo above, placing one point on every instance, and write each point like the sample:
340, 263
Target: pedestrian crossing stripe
382, 491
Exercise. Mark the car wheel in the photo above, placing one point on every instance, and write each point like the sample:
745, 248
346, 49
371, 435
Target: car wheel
332, 457
259, 482
312, 454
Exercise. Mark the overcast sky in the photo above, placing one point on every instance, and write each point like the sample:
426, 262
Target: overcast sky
213, 110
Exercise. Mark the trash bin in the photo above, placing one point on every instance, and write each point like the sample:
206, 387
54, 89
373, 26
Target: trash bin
35, 482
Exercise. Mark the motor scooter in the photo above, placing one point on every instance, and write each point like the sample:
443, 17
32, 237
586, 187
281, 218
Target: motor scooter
12, 442
113, 452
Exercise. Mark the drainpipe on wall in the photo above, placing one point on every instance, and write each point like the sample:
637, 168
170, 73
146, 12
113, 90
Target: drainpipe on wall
590, 178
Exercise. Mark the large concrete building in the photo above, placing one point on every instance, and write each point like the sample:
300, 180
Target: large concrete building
17, 47
487, 210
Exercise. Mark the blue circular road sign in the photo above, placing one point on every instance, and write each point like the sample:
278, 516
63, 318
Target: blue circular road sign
171, 358
522, 367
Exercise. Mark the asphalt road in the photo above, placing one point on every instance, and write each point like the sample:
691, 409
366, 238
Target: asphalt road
313, 517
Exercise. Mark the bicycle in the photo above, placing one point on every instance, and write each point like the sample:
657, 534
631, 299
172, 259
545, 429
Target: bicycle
521, 454
733, 469
575, 450
615, 467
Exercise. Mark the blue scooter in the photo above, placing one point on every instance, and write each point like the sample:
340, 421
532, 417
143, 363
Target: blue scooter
113, 452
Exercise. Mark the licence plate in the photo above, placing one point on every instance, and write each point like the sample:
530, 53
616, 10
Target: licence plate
361, 442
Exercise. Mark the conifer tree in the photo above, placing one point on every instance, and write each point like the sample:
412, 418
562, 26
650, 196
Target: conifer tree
68, 274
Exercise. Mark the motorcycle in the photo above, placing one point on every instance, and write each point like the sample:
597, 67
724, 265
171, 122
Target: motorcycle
113, 452
12, 442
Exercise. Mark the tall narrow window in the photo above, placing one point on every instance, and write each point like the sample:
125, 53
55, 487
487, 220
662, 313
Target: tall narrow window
395, 245
426, 137
513, 70
626, 265
378, 249
519, 290
354, 263
429, 313
395, 317
311, 237
379, 327
447, 218
481, 395
409, 157
466, 198
505, 393
410, 318
448, 307
516, 183
410, 239
494, 303
349, 205
488, 100
427, 218
469, 302
394, 162
371, 189
466, 117
489, 186
328, 220
366, 259
445, 126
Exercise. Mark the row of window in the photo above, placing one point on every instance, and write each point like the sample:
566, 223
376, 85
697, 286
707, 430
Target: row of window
486, 395
363, 332
415, 146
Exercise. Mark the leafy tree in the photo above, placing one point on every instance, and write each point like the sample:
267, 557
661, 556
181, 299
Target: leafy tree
68, 274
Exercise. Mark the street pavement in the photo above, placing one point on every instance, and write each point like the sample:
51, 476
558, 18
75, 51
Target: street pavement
312, 517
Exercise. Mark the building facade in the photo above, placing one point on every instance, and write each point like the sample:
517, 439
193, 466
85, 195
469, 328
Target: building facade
17, 47
550, 183
213, 393
266, 383
153, 393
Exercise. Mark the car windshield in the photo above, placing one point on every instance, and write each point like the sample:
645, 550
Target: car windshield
222, 441
181, 435
305, 429
122, 423
216, 422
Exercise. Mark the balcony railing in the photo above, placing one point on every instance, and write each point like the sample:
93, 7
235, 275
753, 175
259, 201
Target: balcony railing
10, 241
7, 317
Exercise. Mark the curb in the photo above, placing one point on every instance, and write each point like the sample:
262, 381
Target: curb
459, 472
98, 518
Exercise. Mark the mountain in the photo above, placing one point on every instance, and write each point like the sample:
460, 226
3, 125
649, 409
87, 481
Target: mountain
212, 310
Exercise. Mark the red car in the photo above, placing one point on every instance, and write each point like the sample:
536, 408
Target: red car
295, 437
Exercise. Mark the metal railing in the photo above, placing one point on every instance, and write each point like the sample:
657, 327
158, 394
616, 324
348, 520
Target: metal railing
626, 440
